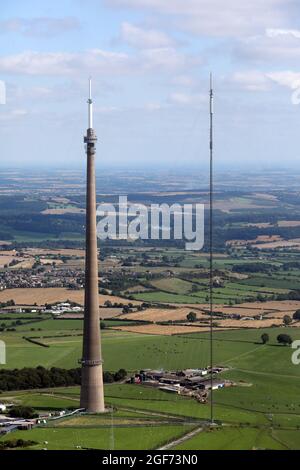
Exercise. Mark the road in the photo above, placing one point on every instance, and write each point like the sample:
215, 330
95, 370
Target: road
181, 439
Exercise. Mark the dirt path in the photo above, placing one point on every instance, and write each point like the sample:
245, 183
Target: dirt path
181, 439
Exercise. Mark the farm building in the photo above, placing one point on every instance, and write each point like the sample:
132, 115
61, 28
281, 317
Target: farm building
189, 382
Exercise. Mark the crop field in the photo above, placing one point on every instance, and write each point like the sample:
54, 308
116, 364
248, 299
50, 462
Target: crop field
41, 296
159, 314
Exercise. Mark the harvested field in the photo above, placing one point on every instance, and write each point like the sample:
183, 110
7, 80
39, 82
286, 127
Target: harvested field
280, 314
283, 305
160, 314
4, 243
5, 259
60, 200
280, 223
288, 223
50, 261
268, 238
51, 295
8, 253
249, 309
235, 204
67, 210
167, 330
103, 311
25, 263
249, 323
260, 225
244, 310
262, 240
292, 243
270, 197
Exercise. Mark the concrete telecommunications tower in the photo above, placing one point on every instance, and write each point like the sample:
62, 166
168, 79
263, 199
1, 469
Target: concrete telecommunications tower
91, 396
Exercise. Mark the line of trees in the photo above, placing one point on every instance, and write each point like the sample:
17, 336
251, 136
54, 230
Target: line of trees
281, 339
40, 377
14, 443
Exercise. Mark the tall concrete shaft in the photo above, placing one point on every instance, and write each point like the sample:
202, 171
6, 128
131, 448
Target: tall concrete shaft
92, 395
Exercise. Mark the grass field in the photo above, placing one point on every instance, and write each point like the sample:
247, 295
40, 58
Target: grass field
265, 401
111, 438
179, 291
173, 285
268, 383
236, 439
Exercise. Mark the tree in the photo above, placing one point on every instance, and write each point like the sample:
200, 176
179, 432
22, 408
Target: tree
191, 317
108, 377
22, 412
265, 338
287, 320
296, 315
284, 339
120, 375
260, 298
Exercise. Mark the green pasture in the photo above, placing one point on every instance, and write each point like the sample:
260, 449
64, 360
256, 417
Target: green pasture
109, 438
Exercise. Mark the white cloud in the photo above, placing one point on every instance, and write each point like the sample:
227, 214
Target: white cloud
40, 27
144, 38
97, 62
62, 63
276, 49
255, 80
167, 58
184, 80
273, 33
251, 80
184, 99
286, 78
19, 112
13, 114
153, 107
219, 18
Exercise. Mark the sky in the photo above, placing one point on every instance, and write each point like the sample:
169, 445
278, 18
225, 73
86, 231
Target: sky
150, 62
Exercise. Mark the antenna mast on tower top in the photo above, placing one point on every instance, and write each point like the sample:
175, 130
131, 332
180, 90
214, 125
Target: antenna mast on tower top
90, 103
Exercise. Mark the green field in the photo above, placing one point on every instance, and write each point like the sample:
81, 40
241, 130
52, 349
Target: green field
112, 438
267, 391
176, 290
235, 439
261, 411
173, 285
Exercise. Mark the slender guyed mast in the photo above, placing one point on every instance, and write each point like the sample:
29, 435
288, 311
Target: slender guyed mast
211, 111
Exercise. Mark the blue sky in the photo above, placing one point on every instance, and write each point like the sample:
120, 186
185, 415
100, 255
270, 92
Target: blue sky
150, 62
